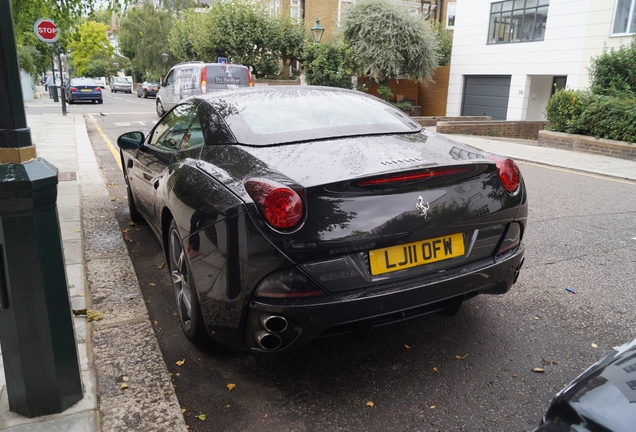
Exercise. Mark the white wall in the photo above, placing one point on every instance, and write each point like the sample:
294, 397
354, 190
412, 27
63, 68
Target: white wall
575, 31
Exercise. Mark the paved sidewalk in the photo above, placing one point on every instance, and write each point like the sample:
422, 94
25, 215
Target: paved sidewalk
529, 151
121, 348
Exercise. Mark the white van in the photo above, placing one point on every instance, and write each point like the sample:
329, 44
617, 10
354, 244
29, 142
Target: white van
101, 81
187, 79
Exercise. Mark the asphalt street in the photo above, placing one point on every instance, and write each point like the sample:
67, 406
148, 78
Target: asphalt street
473, 371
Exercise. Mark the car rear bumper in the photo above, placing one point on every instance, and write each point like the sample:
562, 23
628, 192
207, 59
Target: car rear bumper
85, 97
364, 309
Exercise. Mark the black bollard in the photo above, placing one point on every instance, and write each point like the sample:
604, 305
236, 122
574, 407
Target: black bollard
39, 353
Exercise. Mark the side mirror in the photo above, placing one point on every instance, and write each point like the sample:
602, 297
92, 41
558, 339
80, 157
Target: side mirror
130, 140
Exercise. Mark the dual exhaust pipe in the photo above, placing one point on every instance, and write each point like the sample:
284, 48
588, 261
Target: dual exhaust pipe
269, 339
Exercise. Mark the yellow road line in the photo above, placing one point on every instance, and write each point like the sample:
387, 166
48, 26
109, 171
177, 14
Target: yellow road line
581, 173
110, 146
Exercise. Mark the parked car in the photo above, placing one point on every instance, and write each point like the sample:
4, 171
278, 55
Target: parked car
289, 213
196, 78
120, 84
601, 399
148, 89
101, 81
82, 89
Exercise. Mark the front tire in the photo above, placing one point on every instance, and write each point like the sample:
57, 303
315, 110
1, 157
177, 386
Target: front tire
183, 286
160, 110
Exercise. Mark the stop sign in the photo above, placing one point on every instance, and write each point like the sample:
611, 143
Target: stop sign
46, 30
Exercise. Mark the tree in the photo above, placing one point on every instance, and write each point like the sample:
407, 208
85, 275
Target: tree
444, 41
66, 14
388, 42
243, 32
88, 42
328, 64
143, 38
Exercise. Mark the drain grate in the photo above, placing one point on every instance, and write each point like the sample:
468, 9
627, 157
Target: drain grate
66, 176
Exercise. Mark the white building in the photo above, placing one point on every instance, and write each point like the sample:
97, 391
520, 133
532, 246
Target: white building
509, 55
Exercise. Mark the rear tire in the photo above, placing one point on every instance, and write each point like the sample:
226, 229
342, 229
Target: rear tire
138, 95
160, 110
101, 101
145, 95
185, 292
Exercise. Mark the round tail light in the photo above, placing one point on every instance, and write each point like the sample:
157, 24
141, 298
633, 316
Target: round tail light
508, 173
280, 206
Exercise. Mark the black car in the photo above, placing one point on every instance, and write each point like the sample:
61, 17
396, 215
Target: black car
82, 89
295, 212
601, 399
148, 89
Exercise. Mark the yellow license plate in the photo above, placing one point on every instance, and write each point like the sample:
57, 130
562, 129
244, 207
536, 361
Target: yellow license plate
86, 90
415, 254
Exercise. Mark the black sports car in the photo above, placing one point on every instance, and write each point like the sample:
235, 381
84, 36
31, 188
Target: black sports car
293, 212
600, 399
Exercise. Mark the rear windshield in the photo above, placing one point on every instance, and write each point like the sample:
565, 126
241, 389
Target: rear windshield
121, 80
83, 81
285, 115
224, 76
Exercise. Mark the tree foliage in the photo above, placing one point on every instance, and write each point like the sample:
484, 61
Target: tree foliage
328, 64
241, 31
388, 42
66, 14
444, 41
142, 38
89, 42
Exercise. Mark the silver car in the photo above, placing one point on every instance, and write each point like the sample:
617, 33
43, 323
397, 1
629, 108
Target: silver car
196, 78
120, 84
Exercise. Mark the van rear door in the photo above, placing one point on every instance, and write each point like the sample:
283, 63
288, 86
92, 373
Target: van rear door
223, 76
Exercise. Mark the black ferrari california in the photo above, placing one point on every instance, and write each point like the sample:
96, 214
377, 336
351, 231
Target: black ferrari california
295, 212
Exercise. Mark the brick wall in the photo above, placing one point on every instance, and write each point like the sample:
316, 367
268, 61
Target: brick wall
508, 129
586, 144
432, 120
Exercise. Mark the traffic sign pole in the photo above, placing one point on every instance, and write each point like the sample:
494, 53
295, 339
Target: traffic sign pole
59, 61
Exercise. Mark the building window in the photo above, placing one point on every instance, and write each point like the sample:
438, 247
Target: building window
273, 8
517, 21
294, 9
342, 7
450, 16
624, 19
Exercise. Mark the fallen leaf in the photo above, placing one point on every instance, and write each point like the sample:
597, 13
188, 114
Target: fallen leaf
407, 347
265, 416
201, 417
538, 370
155, 322
536, 318
461, 357
124, 386
125, 378
435, 369
131, 224
183, 410
161, 266
432, 407
514, 375
231, 386
152, 284
370, 404
78, 230
180, 362
113, 198
594, 345
91, 315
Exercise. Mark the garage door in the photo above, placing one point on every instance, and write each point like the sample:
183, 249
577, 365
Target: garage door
486, 95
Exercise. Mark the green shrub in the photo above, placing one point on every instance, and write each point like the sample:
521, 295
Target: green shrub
614, 71
564, 110
328, 64
404, 106
611, 117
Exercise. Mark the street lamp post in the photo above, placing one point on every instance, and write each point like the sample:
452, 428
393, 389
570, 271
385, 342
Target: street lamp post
316, 31
164, 57
36, 326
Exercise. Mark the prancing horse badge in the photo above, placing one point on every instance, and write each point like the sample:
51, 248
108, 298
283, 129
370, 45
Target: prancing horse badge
421, 207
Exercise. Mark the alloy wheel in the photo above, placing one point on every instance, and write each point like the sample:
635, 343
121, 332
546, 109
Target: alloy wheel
180, 280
